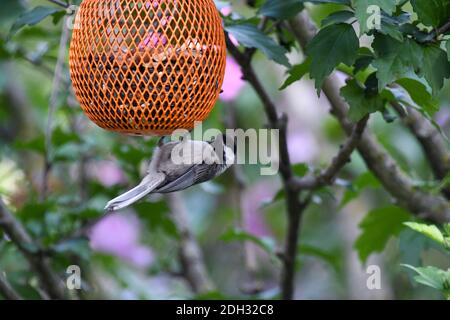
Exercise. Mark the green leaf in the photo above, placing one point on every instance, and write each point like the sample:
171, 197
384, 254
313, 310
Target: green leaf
432, 12
431, 277
10, 10
337, 17
280, 195
155, 216
212, 295
79, 247
281, 9
33, 17
447, 229
362, 63
333, 45
363, 60
411, 245
365, 180
300, 169
447, 46
251, 37
377, 228
361, 8
130, 155
61, 137
296, 73
68, 152
361, 103
390, 25
332, 258
233, 234
420, 95
37, 145
31, 247
430, 231
34, 211
395, 59
435, 67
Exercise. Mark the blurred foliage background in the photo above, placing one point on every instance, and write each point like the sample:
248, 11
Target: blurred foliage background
240, 225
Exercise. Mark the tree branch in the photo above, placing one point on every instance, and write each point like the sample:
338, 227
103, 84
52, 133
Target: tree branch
443, 29
194, 269
6, 290
433, 144
295, 210
251, 286
57, 80
328, 176
15, 231
295, 207
383, 166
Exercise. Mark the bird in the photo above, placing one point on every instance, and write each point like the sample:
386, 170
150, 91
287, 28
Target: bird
178, 165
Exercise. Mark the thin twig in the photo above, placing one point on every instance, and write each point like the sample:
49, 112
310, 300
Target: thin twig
295, 207
60, 3
433, 143
48, 71
6, 290
289, 256
384, 167
38, 62
443, 29
251, 285
57, 80
49, 281
328, 176
194, 269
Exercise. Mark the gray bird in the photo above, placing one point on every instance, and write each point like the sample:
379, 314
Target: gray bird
177, 166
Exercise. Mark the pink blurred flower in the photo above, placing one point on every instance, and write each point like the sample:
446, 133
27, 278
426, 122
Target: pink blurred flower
155, 3
153, 40
252, 201
118, 235
233, 83
226, 11
108, 173
302, 147
443, 117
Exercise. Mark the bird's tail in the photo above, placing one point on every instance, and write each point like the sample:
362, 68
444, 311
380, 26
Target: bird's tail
148, 184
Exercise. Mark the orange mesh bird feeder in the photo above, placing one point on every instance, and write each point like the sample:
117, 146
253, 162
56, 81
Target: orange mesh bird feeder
147, 67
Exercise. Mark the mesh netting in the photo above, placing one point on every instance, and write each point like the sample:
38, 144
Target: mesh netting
147, 67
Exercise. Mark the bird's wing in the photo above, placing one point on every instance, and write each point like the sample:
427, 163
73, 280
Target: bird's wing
194, 175
148, 184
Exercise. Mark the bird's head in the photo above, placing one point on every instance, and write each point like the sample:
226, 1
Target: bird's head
225, 148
